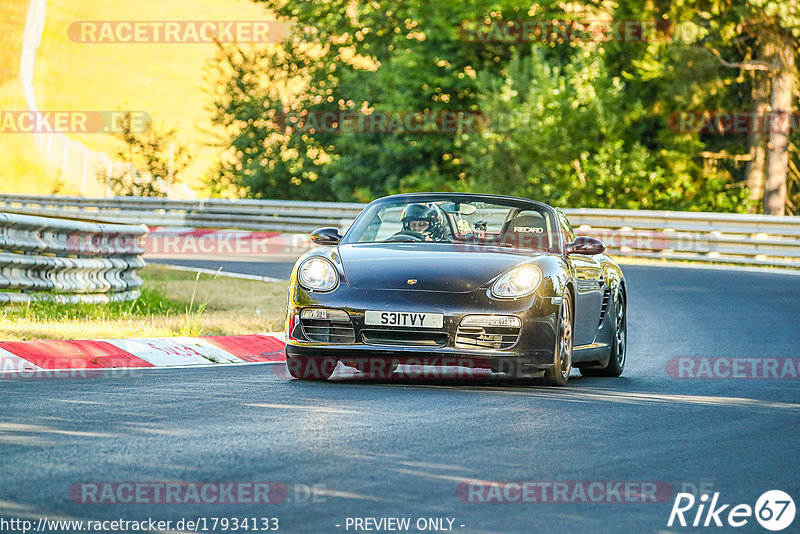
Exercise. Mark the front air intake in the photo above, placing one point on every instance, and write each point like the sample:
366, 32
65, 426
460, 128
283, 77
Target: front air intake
487, 337
323, 325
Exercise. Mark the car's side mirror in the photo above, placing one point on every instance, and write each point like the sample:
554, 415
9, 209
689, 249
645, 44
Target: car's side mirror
326, 236
586, 245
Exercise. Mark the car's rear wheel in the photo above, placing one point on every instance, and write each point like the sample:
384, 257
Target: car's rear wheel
310, 368
619, 343
558, 374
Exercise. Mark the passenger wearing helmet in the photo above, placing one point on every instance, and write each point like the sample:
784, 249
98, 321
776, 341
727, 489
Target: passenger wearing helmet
423, 220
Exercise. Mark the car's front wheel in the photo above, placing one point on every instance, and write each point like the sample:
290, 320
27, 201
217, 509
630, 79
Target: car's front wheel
310, 368
558, 374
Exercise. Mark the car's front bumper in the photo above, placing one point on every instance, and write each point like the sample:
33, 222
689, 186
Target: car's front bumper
534, 345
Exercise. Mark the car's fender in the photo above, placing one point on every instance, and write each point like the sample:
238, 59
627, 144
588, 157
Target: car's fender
556, 275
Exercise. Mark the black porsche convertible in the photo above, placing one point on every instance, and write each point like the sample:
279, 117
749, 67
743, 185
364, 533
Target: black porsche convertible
480, 281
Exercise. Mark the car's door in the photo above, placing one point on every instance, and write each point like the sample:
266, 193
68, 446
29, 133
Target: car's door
589, 289
589, 300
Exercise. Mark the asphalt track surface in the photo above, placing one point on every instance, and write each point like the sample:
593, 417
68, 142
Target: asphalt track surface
268, 269
400, 449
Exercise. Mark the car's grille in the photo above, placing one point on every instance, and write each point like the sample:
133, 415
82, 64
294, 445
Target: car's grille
604, 307
487, 337
339, 330
404, 337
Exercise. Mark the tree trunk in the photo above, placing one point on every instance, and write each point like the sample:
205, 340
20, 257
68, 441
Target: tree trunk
779, 126
757, 137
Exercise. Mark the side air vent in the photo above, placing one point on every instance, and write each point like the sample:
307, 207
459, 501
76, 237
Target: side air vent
586, 285
604, 307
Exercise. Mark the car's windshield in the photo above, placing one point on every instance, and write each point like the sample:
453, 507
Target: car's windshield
459, 220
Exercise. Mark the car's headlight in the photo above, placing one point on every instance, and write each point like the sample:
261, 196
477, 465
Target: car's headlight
318, 274
517, 282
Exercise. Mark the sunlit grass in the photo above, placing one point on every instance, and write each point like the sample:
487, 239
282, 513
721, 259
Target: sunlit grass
165, 80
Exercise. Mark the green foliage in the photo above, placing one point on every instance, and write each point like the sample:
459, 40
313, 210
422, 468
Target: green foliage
573, 124
564, 139
151, 302
150, 168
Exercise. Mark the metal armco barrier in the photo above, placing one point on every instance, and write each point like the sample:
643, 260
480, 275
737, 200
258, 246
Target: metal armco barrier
68, 261
260, 215
720, 237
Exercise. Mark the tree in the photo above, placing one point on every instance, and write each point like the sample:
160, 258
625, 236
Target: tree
566, 142
382, 56
783, 85
759, 38
152, 159
603, 140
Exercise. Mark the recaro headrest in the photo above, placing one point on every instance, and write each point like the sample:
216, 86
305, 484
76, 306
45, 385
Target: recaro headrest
525, 231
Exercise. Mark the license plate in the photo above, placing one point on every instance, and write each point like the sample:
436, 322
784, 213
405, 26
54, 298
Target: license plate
407, 319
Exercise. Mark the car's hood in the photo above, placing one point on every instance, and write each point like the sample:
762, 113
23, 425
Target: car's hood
434, 266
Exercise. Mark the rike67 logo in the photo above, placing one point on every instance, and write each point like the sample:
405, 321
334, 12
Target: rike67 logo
774, 510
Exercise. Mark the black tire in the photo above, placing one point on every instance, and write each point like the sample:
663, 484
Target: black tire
619, 343
310, 368
558, 374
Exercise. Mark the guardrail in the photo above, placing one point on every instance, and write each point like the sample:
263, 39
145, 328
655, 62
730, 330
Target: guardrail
261, 215
719, 237
694, 236
68, 261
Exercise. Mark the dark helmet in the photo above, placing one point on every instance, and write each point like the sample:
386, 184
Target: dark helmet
421, 212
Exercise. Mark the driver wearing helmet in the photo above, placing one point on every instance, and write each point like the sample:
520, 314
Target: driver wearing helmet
423, 220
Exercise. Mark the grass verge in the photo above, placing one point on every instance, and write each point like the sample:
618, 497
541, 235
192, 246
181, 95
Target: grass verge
173, 303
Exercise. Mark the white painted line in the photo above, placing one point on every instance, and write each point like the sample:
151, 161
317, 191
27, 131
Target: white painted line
219, 273
161, 351
277, 335
11, 363
209, 351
